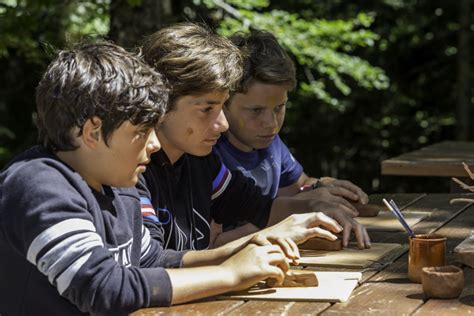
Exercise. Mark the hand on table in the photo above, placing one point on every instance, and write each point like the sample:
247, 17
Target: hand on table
357, 194
256, 263
347, 222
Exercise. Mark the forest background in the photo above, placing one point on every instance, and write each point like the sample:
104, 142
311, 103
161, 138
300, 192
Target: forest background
377, 78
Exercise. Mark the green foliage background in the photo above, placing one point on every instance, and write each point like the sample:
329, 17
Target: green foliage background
376, 78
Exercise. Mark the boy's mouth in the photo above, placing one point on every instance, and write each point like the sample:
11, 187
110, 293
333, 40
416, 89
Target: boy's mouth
266, 137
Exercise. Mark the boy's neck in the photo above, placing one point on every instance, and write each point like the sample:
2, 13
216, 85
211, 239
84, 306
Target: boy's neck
170, 150
236, 143
82, 165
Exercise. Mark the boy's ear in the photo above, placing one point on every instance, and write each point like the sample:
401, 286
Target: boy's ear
91, 132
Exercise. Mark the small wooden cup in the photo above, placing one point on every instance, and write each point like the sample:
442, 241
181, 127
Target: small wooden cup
442, 282
425, 251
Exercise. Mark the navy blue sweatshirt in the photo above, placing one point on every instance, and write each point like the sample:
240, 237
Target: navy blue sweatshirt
66, 249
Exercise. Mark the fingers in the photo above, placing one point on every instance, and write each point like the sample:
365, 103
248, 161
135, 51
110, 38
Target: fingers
275, 257
362, 197
362, 237
321, 233
277, 274
344, 205
289, 248
327, 222
260, 240
343, 192
346, 234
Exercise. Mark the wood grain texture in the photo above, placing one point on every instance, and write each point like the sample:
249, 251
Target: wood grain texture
386, 220
465, 251
207, 307
349, 257
438, 160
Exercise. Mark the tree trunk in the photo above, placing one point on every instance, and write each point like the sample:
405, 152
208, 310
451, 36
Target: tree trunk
129, 24
464, 102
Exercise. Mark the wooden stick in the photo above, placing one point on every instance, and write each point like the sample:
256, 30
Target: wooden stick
459, 200
469, 172
463, 185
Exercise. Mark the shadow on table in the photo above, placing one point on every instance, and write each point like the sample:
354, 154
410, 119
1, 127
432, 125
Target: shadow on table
393, 280
467, 300
418, 296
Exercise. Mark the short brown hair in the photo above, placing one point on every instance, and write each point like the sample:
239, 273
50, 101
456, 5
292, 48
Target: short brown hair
96, 79
264, 60
193, 59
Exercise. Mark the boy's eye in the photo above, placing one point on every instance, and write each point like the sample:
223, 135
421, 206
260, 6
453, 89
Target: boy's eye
279, 108
256, 110
143, 133
207, 109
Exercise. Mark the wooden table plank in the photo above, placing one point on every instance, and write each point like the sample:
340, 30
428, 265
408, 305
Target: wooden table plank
207, 307
438, 160
279, 308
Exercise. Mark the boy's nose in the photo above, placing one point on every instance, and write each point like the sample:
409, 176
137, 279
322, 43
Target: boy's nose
270, 120
153, 142
221, 122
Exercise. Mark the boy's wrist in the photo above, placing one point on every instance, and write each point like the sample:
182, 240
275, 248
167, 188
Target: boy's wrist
312, 186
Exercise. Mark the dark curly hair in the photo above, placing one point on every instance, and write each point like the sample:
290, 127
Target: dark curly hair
193, 59
96, 79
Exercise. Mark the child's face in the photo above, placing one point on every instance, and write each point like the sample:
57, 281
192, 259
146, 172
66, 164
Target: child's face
129, 150
256, 117
194, 125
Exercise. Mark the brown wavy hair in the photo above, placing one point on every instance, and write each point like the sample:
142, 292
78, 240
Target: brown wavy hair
96, 79
264, 60
193, 59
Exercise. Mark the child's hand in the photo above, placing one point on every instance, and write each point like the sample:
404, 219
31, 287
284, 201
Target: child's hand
360, 195
337, 196
256, 263
349, 225
301, 227
287, 245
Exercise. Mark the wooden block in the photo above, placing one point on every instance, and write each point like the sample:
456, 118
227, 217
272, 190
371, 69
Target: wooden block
350, 257
368, 210
295, 279
465, 252
322, 244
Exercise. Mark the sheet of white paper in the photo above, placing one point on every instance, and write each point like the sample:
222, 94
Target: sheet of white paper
332, 287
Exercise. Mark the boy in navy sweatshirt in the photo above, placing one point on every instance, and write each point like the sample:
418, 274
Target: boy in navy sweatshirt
72, 239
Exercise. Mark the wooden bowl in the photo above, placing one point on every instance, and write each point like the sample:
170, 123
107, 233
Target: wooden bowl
442, 282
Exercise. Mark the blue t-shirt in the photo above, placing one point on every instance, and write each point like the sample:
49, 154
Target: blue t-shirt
271, 168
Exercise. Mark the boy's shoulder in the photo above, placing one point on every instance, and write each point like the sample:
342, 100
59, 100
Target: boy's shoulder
34, 163
39, 167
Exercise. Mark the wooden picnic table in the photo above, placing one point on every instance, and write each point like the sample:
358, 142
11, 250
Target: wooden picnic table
385, 290
442, 159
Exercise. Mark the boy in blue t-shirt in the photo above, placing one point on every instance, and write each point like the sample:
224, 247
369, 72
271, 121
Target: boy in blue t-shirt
72, 240
255, 113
